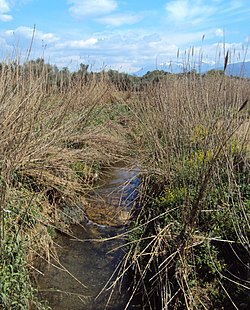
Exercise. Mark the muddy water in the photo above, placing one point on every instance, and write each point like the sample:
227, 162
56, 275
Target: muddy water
82, 277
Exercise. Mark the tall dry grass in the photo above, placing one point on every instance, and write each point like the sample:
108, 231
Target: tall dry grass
194, 222
50, 150
191, 134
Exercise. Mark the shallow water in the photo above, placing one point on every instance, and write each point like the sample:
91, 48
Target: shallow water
90, 262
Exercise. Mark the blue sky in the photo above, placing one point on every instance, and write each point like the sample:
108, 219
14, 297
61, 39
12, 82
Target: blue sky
124, 34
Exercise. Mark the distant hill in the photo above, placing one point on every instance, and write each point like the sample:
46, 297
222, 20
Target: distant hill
237, 69
241, 69
175, 67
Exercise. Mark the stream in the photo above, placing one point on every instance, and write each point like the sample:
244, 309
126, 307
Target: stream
82, 276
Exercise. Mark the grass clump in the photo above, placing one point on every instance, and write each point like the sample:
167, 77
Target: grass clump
16, 288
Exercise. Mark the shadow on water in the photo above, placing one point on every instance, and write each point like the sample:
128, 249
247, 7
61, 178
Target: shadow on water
87, 266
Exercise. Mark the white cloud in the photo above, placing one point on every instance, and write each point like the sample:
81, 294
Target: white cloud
123, 50
219, 32
189, 12
121, 19
78, 44
47, 37
5, 17
27, 33
204, 13
24, 31
4, 46
5, 8
83, 8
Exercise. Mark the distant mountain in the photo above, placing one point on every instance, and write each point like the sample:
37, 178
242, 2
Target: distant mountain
241, 69
237, 69
175, 67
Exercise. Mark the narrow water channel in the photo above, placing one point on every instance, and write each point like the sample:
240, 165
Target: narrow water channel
83, 277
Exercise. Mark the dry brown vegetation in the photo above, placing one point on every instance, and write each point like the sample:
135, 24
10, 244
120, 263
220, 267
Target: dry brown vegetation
190, 244
189, 133
51, 147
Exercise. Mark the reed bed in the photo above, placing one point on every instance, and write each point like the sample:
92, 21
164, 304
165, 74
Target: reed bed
51, 150
189, 245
